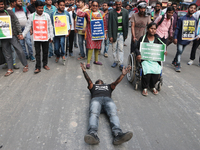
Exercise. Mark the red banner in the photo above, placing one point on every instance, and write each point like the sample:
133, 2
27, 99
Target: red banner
40, 30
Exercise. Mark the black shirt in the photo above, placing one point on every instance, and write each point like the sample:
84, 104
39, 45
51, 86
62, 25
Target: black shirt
99, 90
31, 8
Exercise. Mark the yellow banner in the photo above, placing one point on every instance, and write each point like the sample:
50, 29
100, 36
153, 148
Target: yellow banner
60, 25
5, 27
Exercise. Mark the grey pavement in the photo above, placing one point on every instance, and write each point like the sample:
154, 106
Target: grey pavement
49, 111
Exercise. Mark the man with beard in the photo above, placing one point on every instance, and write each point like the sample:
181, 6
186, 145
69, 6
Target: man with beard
49, 9
117, 32
157, 12
165, 25
22, 14
40, 15
6, 43
138, 24
59, 41
31, 7
188, 21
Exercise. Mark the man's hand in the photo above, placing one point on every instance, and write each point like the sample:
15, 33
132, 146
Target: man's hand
134, 39
138, 58
50, 41
171, 38
126, 70
111, 40
76, 31
31, 31
83, 66
175, 41
105, 36
83, 31
165, 53
20, 37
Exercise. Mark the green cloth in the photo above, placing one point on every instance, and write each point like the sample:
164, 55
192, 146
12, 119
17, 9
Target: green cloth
119, 18
113, 24
151, 67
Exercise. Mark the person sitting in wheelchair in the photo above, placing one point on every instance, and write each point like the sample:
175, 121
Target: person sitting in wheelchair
151, 69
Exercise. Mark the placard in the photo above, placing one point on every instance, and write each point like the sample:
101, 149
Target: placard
97, 29
61, 25
152, 51
40, 30
188, 31
79, 23
5, 27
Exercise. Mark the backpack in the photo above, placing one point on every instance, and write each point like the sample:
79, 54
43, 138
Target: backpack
24, 8
161, 20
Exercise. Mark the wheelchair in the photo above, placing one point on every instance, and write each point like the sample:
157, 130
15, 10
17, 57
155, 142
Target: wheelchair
135, 74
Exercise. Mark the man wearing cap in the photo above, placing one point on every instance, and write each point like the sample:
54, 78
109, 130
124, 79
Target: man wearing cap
139, 22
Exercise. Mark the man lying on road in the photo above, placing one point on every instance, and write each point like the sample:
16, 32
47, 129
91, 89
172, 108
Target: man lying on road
101, 101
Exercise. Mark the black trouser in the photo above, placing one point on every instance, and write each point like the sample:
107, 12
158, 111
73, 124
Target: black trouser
149, 80
164, 40
45, 49
71, 41
194, 48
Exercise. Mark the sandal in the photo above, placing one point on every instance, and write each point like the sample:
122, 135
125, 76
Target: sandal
57, 59
97, 63
25, 69
144, 92
88, 66
80, 58
155, 92
8, 73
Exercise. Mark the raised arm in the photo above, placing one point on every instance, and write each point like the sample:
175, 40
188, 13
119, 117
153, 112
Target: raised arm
90, 84
124, 72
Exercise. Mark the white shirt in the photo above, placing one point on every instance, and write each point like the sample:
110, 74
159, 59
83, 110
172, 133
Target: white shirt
72, 19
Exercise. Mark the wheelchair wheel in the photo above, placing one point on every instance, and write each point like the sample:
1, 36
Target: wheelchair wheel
132, 62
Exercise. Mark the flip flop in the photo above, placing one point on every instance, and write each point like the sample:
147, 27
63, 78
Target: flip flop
25, 69
8, 73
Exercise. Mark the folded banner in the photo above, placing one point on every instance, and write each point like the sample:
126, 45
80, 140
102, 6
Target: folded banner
61, 25
5, 27
97, 29
152, 51
79, 23
40, 30
189, 29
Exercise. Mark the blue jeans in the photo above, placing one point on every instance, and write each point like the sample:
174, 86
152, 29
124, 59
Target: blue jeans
81, 46
106, 42
180, 49
118, 50
28, 43
50, 49
103, 104
59, 43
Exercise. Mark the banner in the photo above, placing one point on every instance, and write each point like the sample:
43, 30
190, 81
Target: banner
79, 23
152, 51
97, 29
40, 30
198, 28
5, 27
188, 31
61, 25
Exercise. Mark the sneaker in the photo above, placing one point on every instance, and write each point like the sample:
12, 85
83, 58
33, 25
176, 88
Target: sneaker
178, 69
122, 137
106, 55
114, 65
71, 55
91, 139
190, 62
32, 58
121, 67
173, 63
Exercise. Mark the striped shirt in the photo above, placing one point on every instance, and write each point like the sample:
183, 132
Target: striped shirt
119, 18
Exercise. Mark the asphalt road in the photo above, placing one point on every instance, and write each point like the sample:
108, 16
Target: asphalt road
49, 111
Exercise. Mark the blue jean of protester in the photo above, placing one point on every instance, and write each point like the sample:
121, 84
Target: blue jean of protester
59, 43
81, 38
50, 49
180, 49
106, 42
103, 104
28, 43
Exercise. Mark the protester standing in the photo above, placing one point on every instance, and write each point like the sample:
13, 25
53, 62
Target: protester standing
117, 32
157, 11
40, 15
